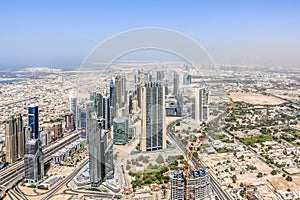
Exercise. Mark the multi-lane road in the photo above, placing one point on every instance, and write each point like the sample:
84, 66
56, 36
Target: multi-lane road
220, 193
12, 174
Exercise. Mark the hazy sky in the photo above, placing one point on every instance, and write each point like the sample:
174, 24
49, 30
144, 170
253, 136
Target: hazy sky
62, 33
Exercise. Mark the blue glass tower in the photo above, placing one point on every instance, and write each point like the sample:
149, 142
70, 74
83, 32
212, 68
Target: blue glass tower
33, 120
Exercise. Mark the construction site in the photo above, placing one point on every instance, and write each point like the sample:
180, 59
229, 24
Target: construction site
192, 181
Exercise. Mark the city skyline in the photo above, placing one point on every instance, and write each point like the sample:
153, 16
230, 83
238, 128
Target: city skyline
233, 32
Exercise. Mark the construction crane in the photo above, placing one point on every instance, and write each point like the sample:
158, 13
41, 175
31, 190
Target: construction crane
189, 159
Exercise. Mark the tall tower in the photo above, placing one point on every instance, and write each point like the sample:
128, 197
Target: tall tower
106, 112
99, 105
11, 140
33, 120
153, 117
201, 100
176, 84
34, 161
96, 151
83, 112
20, 136
73, 102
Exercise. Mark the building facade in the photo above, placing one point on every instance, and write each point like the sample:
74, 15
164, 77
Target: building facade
34, 161
33, 120
153, 117
120, 130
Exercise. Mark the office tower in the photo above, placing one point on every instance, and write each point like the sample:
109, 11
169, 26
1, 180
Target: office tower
84, 110
130, 100
120, 91
201, 99
99, 105
69, 122
195, 186
11, 140
34, 161
120, 130
139, 94
100, 152
33, 120
112, 93
106, 112
73, 102
175, 83
57, 129
153, 117
96, 151
20, 136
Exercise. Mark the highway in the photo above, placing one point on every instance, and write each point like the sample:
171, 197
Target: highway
65, 181
12, 174
222, 195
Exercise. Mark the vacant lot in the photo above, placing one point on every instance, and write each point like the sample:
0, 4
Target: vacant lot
255, 98
281, 184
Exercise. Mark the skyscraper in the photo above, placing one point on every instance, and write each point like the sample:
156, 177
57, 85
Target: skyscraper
120, 91
20, 136
153, 117
201, 101
83, 112
120, 130
100, 152
69, 122
33, 120
99, 105
175, 83
112, 93
34, 161
57, 128
96, 151
73, 102
14, 139
106, 112
11, 140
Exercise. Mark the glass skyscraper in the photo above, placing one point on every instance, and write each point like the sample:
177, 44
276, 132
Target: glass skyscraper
33, 120
153, 117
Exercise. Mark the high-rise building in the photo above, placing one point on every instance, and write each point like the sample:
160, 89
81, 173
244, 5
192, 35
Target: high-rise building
153, 117
14, 139
201, 100
96, 151
57, 129
187, 79
33, 120
27, 133
11, 140
195, 186
20, 137
112, 93
34, 161
83, 111
100, 152
99, 105
120, 130
175, 83
106, 112
73, 102
120, 91
69, 122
